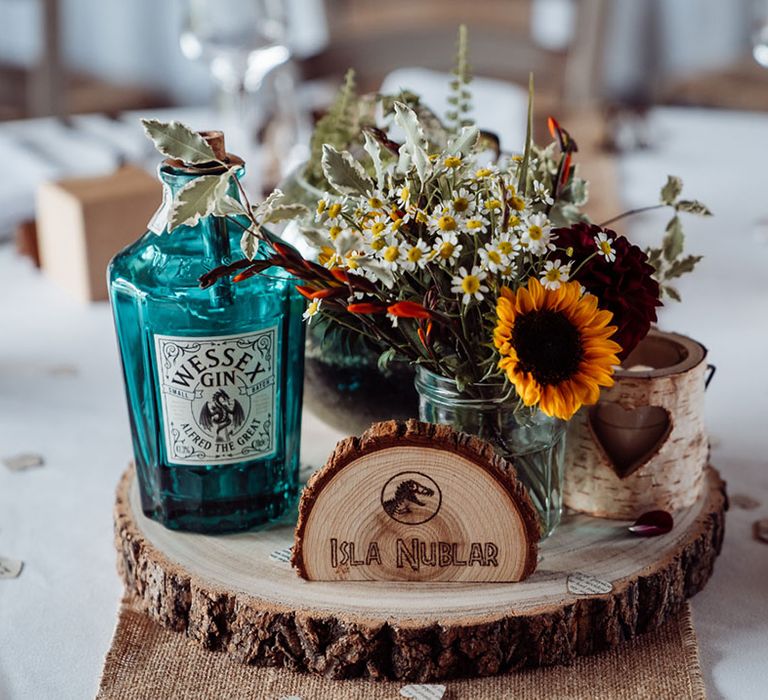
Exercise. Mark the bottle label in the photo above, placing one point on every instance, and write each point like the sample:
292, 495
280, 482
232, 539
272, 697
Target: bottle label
218, 396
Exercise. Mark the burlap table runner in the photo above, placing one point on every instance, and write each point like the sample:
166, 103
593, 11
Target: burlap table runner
149, 662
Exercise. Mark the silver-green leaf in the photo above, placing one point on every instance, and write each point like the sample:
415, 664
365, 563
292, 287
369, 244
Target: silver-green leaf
374, 151
671, 190
283, 212
343, 172
176, 140
228, 206
414, 150
464, 142
672, 245
197, 199
249, 243
693, 206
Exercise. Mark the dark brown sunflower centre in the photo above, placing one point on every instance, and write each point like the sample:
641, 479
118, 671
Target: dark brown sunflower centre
548, 346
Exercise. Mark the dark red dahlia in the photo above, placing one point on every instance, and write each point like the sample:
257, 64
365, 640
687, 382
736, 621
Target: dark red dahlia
625, 286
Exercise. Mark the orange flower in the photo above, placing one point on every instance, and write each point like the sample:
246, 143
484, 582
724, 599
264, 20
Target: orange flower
366, 308
409, 309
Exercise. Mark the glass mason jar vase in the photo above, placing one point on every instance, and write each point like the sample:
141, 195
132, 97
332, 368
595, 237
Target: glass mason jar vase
534, 442
213, 377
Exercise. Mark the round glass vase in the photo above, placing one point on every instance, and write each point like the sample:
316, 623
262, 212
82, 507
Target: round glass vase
534, 442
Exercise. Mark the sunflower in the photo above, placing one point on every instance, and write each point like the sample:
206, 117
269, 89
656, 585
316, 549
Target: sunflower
555, 346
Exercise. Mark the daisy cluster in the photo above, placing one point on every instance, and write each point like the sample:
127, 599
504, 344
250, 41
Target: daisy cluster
448, 220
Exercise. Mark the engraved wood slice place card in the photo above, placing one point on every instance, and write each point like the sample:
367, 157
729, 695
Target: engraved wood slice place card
411, 501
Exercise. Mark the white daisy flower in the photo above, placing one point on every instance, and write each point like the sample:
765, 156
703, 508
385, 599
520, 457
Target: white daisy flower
402, 195
335, 211
536, 237
541, 193
485, 173
469, 284
463, 203
336, 228
312, 309
493, 205
475, 225
507, 244
416, 256
446, 248
443, 220
508, 271
554, 274
604, 246
491, 258
392, 255
376, 200
320, 210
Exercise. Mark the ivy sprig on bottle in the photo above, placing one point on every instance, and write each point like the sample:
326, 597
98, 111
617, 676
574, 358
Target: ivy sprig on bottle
208, 195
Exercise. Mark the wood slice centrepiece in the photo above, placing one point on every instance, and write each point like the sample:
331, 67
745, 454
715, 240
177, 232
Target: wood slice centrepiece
412, 501
594, 587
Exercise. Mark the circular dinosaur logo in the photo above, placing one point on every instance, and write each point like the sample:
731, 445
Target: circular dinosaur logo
411, 498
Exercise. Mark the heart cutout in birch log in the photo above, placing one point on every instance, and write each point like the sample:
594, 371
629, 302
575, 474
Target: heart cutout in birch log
629, 437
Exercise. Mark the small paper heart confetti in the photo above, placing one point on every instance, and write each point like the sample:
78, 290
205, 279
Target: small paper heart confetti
760, 530
283, 555
741, 500
22, 462
10, 568
652, 523
423, 692
586, 584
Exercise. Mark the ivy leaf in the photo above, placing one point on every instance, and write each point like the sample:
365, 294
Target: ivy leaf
343, 172
693, 206
249, 243
672, 245
228, 206
671, 292
176, 140
682, 267
197, 199
283, 212
671, 190
374, 151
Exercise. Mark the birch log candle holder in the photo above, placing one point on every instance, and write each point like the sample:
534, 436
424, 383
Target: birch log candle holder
643, 446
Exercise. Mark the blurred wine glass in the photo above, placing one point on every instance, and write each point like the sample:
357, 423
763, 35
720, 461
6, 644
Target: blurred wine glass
246, 45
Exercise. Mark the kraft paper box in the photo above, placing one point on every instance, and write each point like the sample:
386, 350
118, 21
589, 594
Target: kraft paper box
83, 222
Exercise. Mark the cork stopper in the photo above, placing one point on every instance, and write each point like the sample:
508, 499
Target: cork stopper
215, 139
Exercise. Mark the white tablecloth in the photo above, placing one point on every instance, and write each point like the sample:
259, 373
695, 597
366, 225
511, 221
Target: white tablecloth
61, 396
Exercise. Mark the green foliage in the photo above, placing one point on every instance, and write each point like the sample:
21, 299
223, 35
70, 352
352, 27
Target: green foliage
197, 199
343, 172
667, 259
337, 128
460, 98
175, 140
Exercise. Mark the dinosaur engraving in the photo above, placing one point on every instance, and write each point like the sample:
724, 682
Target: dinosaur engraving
407, 493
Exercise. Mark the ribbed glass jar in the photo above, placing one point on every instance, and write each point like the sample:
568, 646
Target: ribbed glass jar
534, 442
213, 376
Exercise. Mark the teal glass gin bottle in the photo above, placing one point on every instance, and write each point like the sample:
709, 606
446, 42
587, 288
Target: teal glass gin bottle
213, 377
